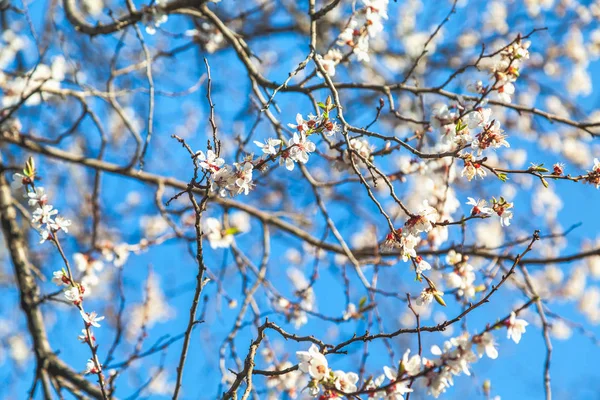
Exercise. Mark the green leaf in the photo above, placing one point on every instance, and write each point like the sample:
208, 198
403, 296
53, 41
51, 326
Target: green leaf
439, 299
29, 170
362, 302
232, 231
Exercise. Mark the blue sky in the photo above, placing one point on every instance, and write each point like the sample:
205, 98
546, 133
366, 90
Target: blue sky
516, 374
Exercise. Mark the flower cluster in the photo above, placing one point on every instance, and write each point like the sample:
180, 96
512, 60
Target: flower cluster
472, 168
469, 124
208, 36
32, 88
407, 238
500, 207
297, 312
462, 278
515, 327
314, 363
48, 224
154, 17
45, 218
505, 70
473, 129
220, 237
437, 373
367, 22
594, 175
399, 379
361, 150
288, 383
331, 59
231, 180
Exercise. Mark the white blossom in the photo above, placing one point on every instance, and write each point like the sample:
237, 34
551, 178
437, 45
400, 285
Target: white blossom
515, 327
269, 147
313, 362
91, 319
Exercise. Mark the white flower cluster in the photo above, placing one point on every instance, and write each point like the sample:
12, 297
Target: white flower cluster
226, 179
437, 373
233, 180
501, 208
367, 22
406, 239
314, 363
452, 360
297, 312
10, 44
208, 36
469, 124
45, 218
30, 86
504, 70
288, 383
462, 278
594, 174
153, 309
218, 236
360, 146
75, 293
48, 224
154, 17
476, 130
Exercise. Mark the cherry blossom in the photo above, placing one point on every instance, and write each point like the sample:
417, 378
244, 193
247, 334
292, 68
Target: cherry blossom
74, 294
472, 170
243, 175
301, 148
43, 215
84, 337
462, 278
485, 343
20, 180
37, 197
502, 208
423, 221
492, 136
421, 265
558, 168
210, 161
154, 17
60, 224
594, 174
428, 295
301, 125
216, 235
91, 319
90, 367
313, 362
329, 61
345, 381
412, 365
398, 389
350, 312
515, 327
479, 207
60, 278
269, 147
